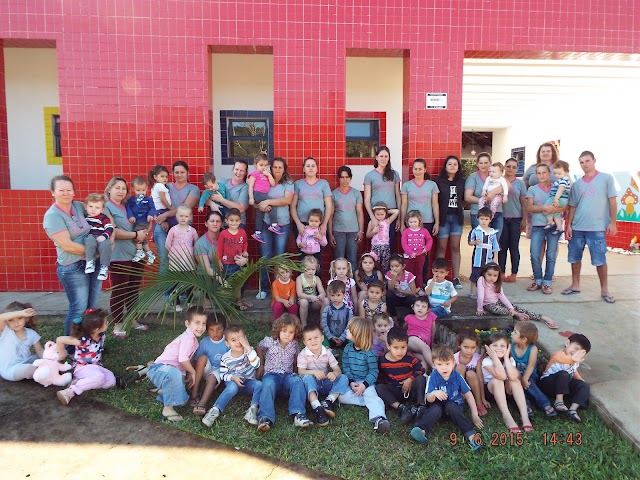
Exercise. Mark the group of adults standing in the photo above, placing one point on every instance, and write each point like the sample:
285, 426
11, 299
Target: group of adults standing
440, 202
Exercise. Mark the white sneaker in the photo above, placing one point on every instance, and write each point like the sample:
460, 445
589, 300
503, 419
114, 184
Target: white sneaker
104, 272
211, 416
261, 295
301, 421
252, 415
150, 257
90, 267
138, 256
177, 308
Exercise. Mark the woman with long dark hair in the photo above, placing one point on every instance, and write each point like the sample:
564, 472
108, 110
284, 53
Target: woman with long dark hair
450, 182
276, 209
382, 184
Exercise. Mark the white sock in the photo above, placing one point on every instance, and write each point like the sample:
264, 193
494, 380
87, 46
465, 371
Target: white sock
333, 397
315, 403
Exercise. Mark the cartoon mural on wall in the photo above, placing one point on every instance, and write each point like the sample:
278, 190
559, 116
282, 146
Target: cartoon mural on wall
628, 196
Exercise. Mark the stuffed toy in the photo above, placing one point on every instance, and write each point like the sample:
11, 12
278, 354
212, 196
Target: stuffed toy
49, 368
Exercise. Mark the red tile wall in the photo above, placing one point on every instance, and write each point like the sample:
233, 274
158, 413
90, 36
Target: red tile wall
5, 179
134, 80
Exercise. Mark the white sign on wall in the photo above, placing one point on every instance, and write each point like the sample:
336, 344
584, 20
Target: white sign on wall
437, 100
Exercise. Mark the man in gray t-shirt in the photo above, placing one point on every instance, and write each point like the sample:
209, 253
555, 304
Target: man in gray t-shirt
592, 215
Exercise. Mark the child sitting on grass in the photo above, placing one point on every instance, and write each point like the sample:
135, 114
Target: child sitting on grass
501, 378
168, 371
321, 375
207, 362
467, 358
561, 377
360, 365
335, 316
446, 390
401, 377
278, 354
525, 353
237, 369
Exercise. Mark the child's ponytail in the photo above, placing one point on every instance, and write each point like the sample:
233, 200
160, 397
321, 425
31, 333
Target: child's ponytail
91, 320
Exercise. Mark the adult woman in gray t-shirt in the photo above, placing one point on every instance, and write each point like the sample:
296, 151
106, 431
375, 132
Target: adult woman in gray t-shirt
382, 184
126, 274
67, 228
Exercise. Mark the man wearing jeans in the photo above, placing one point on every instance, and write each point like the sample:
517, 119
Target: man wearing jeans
592, 215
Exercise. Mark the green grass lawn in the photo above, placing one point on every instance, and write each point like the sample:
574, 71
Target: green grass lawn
349, 448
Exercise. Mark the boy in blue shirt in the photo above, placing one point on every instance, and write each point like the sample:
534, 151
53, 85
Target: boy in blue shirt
207, 358
445, 392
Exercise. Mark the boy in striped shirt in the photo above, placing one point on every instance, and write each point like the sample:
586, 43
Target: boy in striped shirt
401, 377
237, 369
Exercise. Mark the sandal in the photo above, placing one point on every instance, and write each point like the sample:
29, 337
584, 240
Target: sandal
242, 307
141, 327
608, 298
550, 412
534, 286
482, 411
547, 290
527, 428
173, 418
515, 429
560, 407
549, 322
199, 410
510, 278
246, 303
529, 411
573, 415
569, 291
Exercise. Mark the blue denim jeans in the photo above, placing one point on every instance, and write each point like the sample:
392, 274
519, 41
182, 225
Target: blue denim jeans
82, 290
369, 399
273, 245
160, 239
251, 387
439, 311
347, 247
538, 236
534, 391
282, 384
497, 223
510, 241
170, 381
326, 386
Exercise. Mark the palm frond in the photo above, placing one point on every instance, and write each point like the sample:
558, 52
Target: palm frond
196, 287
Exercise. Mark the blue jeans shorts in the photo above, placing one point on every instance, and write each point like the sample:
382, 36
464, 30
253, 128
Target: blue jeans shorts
597, 243
450, 227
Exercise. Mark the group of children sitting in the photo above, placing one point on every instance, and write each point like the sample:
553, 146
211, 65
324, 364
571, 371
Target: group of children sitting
378, 369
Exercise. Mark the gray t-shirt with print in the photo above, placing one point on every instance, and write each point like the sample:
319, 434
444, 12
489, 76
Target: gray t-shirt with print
419, 198
382, 190
345, 218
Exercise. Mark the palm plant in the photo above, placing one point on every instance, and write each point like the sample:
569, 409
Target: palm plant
185, 280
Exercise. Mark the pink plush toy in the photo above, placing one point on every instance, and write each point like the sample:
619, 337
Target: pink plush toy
49, 368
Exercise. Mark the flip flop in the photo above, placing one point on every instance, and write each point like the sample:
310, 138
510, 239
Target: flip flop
199, 410
550, 412
527, 428
608, 298
552, 324
173, 418
569, 291
515, 430
141, 327
560, 407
